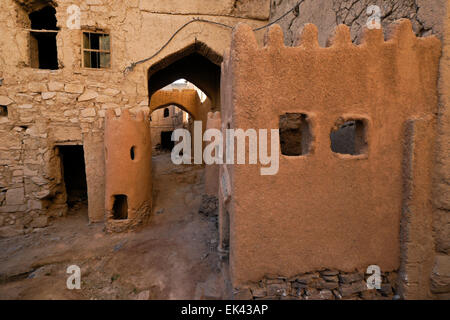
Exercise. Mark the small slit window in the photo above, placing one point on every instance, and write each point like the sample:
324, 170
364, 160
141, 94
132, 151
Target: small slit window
96, 50
295, 134
349, 137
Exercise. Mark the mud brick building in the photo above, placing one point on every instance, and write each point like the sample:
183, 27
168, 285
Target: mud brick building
363, 119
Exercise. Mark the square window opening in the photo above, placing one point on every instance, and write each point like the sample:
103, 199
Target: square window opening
295, 134
349, 137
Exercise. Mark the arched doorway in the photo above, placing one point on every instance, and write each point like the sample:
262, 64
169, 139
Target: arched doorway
163, 121
180, 207
197, 63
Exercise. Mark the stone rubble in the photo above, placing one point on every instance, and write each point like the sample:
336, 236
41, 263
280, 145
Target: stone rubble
320, 285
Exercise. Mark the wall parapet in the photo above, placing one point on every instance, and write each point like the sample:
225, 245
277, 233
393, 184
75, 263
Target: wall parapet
331, 211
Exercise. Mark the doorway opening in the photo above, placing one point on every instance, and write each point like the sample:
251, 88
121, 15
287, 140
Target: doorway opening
74, 173
120, 207
166, 141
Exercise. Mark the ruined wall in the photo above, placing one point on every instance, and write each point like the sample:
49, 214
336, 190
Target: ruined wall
325, 210
128, 170
427, 17
68, 105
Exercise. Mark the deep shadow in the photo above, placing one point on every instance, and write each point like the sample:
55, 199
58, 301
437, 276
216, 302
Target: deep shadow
120, 207
73, 167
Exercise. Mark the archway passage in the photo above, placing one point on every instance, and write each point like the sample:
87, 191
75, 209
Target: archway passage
178, 189
166, 141
196, 63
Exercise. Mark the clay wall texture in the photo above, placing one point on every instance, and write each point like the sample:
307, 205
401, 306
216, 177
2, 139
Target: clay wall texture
323, 209
427, 17
128, 168
68, 105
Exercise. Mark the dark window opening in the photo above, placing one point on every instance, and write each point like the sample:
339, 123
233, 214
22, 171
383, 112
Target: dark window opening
44, 19
132, 152
44, 53
43, 49
166, 112
96, 50
120, 207
3, 111
295, 134
74, 173
349, 138
166, 140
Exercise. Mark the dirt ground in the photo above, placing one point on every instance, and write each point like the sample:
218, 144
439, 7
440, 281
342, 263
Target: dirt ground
174, 256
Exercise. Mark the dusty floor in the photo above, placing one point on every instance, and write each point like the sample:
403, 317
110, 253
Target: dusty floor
173, 257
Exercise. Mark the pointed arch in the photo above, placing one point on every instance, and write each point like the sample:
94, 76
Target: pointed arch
196, 63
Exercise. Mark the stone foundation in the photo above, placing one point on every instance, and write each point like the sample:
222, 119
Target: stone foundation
321, 285
139, 217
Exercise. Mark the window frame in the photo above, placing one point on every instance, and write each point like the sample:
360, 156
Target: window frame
83, 49
32, 34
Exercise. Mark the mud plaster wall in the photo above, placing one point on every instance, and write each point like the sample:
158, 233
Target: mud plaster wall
68, 105
187, 100
326, 210
128, 169
427, 17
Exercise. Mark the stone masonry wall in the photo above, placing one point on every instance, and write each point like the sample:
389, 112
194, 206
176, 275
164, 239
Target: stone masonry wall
47, 108
321, 285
